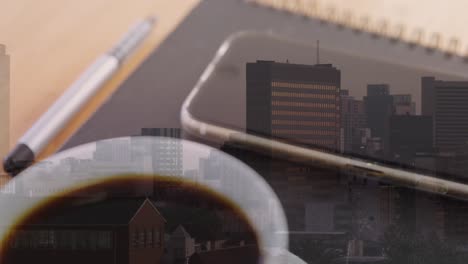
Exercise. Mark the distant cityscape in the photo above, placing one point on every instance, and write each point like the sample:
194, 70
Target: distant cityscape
360, 217
305, 104
333, 215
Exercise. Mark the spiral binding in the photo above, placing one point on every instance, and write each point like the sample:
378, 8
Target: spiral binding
378, 29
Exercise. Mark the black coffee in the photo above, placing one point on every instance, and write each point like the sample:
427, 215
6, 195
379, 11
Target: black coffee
134, 220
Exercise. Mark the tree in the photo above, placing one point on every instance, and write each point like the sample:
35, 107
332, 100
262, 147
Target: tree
403, 247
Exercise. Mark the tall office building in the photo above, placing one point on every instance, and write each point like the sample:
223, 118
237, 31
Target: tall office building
162, 132
117, 151
403, 104
379, 107
294, 102
4, 101
447, 102
409, 135
167, 157
353, 119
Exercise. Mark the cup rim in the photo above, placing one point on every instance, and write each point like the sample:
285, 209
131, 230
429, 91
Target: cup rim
34, 176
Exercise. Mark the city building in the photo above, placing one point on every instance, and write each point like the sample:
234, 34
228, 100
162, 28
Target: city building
456, 213
300, 104
353, 119
409, 135
412, 212
179, 247
447, 103
294, 102
112, 154
4, 101
452, 164
387, 199
191, 174
166, 158
229, 180
363, 142
403, 104
303, 190
116, 231
162, 132
379, 107
116, 151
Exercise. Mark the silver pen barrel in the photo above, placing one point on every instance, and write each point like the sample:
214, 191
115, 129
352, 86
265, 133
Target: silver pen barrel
131, 40
69, 104
73, 99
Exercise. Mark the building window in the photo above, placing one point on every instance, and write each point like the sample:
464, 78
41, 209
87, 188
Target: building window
35, 239
302, 95
138, 238
322, 87
303, 123
303, 104
157, 237
135, 238
104, 240
302, 113
141, 238
63, 239
303, 132
150, 238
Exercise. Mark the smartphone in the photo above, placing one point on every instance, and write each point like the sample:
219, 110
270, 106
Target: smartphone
366, 153
304, 102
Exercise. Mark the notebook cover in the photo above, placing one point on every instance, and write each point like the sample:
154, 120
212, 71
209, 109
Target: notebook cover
153, 95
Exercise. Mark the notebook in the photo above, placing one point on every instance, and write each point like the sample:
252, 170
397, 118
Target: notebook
152, 96
433, 20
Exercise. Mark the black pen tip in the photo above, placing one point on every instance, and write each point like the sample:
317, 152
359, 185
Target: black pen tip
18, 159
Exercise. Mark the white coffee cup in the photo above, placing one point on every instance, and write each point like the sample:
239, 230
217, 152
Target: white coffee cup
148, 158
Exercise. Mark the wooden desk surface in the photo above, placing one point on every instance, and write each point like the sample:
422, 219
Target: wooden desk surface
50, 42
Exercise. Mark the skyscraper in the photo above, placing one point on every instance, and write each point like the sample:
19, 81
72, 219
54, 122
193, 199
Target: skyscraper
4, 101
379, 107
447, 103
113, 151
295, 102
408, 136
301, 104
167, 157
403, 104
353, 119
162, 132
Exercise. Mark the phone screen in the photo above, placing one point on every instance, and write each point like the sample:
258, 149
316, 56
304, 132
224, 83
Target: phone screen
355, 106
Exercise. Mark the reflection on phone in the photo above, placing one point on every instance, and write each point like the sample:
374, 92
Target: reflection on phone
263, 96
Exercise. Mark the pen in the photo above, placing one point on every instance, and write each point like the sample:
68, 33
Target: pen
73, 99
